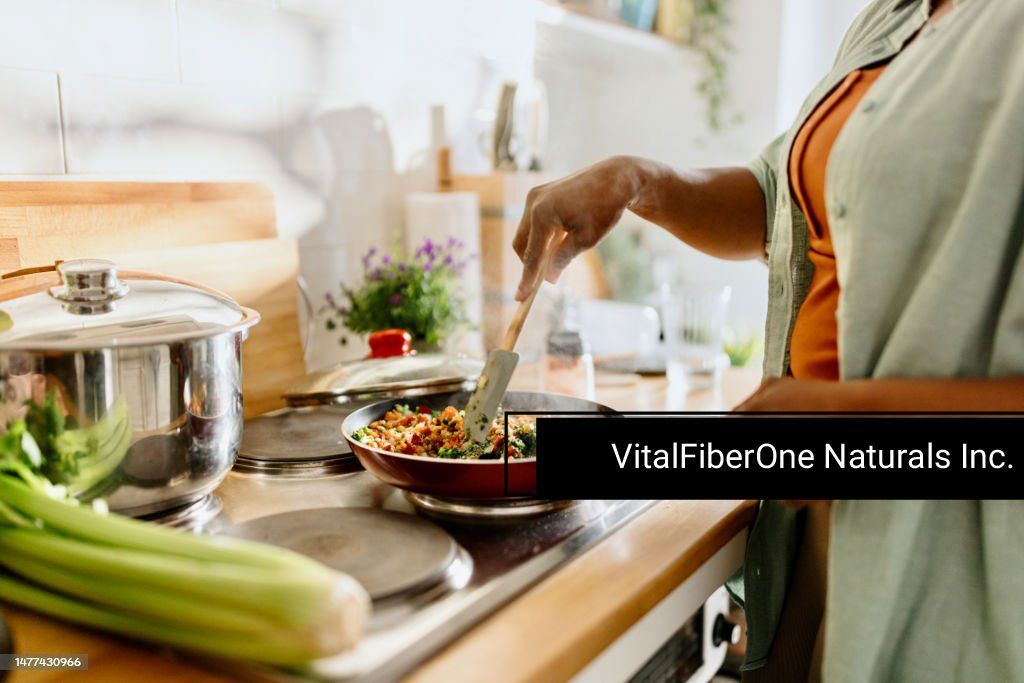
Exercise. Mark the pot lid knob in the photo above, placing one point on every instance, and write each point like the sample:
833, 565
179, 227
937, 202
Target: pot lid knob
88, 286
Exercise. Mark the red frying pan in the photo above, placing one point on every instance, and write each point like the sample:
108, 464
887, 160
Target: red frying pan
466, 479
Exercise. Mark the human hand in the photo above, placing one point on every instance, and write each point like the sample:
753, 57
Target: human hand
586, 204
786, 394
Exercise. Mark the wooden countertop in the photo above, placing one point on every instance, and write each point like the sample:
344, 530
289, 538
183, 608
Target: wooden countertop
562, 623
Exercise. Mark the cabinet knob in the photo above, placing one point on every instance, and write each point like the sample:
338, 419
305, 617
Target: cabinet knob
725, 631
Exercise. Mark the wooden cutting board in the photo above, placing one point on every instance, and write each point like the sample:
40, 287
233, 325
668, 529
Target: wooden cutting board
223, 235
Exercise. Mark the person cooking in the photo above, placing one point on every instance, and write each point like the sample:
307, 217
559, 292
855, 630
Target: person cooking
891, 217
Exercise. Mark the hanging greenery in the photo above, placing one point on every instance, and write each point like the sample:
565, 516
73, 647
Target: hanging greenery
708, 37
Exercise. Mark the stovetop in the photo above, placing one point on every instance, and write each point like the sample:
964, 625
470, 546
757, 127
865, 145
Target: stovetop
434, 569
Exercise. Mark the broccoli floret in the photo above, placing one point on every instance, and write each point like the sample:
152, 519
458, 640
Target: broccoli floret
471, 450
467, 451
528, 437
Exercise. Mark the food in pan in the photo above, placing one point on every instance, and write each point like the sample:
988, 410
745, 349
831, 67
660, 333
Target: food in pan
440, 434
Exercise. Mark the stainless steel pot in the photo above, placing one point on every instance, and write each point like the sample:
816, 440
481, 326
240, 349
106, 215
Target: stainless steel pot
145, 372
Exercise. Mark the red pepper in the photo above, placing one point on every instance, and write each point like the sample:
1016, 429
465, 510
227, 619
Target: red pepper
423, 410
388, 343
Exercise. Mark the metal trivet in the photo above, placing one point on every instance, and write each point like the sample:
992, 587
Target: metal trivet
390, 553
506, 508
298, 442
190, 517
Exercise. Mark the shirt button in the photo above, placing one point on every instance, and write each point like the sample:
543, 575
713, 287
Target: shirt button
869, 106
840, 209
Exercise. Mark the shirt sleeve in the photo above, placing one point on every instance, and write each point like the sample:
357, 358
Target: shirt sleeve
765, 169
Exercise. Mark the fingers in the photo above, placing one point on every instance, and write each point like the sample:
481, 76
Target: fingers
750, 403
523, 231
540, 231
567, 251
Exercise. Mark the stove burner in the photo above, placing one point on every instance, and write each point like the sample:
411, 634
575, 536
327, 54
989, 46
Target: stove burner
294, 435
322, 467
508, 508
391, 554
304, 442
191, 516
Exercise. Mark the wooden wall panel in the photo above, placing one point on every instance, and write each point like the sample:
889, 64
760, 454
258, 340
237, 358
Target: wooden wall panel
220, 234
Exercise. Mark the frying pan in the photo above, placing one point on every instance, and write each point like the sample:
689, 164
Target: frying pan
465, 479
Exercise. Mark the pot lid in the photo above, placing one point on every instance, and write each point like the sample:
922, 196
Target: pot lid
384, 376
86, 304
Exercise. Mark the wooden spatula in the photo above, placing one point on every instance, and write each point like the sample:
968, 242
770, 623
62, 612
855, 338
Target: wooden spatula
501, 362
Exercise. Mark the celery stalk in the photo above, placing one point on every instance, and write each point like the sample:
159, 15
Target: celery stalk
12, 516
125, 532
141, 601
282, 649
224, 596
286, 595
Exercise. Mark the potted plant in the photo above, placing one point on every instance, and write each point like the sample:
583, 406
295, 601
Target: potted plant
419, 293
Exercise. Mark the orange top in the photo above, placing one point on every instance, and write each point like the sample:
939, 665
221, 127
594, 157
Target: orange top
814, 348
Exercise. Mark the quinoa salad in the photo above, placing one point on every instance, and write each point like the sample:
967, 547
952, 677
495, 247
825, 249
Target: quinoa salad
440, 434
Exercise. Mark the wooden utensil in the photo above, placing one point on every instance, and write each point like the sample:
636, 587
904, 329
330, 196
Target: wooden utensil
502, 361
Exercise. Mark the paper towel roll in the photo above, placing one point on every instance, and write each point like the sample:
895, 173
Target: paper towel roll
439, 216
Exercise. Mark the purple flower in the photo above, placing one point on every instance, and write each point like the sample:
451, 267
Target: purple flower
429, 249
386, 260
344, 310
330, 300
427, 266
452, 242
401, 267
395, 299
368, 256
448, 260
375, 275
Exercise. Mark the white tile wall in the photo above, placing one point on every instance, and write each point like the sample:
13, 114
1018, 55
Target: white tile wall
330, 9
230, 43
130, 38
122, 126
30, 121
327, 101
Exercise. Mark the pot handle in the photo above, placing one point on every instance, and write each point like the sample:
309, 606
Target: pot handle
31, 270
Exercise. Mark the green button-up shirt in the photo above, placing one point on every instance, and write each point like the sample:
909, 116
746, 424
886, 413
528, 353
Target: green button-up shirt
925, 201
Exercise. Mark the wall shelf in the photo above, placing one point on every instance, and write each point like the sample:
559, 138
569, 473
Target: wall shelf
592, 15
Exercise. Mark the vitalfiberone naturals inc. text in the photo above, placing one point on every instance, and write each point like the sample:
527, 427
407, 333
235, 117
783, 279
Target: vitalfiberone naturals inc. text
831, 456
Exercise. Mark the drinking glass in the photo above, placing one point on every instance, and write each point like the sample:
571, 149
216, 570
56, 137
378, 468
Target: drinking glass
694, 320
